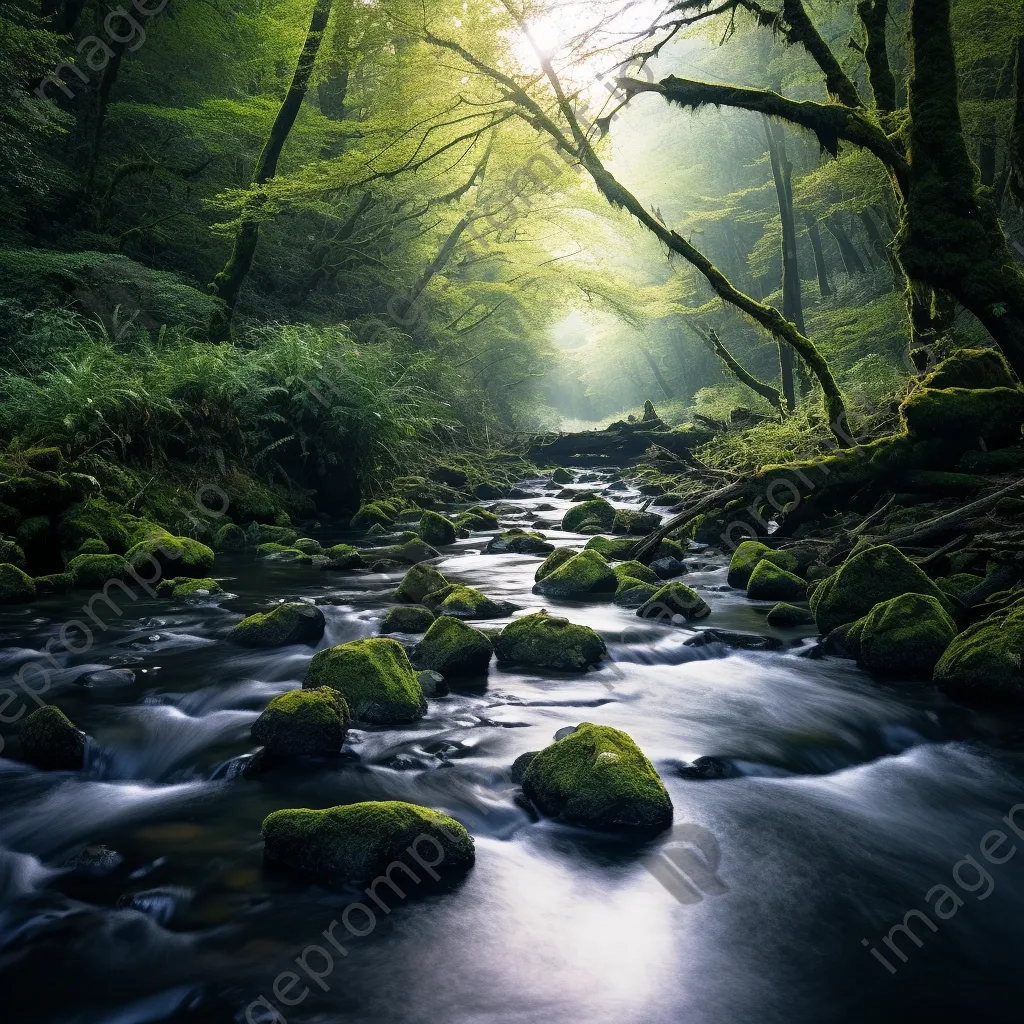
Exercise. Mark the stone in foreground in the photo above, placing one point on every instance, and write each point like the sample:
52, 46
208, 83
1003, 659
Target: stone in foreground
599, 778
299, 723
50, 740
902, 638
358, 842
419, 581
546, 641
293, 623
984, 662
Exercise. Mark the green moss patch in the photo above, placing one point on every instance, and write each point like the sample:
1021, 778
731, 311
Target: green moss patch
984, 662
91, 572
557, 557
903, 637
184, 586
186, 556
293, 623
746, 557
520, 542
466, 603
55, 583
342, 556
16, 586
453, 649
437, 529
632, 593
672, 601
635, 522
407, 618
419, 581
303, 722
229, 538
962, 415
636, 571
547, 641
584, 575
789, 616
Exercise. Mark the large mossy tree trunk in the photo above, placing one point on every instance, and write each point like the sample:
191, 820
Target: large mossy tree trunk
951, 238
227, 285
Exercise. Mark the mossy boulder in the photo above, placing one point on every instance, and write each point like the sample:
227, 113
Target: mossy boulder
453, 649
596, 512
308, 546
282, 553
789, 616
410, 552
187, 557
449, 475
672, 601
360, 842
292, 623
36, 494
476, 517
959, 583
92, 572
612, 548
35, 535
407, 618
54, 583
770, 582
635, 522
373, 513
94, 546
489, 492
16, 586
11, 553
598, 777
963, 415
342, 556
519, 542
984, 662
902, 638
375, 676
746, 557
972, 368
587, 574
632, 593
50, 740
185, 586
547, 641
562, 476
466, 603
637, 571
229, 537
303, 723
870, 577
557, 557
265, 533
419, 581
437, 529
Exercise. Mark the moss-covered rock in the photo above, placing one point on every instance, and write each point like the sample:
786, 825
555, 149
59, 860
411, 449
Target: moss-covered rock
557, 557
342, 556
185, 586
984, 662
489, 492
308, 546
99, 519
449, 475
597, 511
265, 533
635, 522
789, 616
519, 542
282, 553
91, 572
299, 723
962, 415
437, 529
373, 513
769, 582
612, 548
903, 637
874, 575
637, 571
34, 536
10, 518
476, 517
16, 586
94, 546
11, 553
292, 623
375, 676
229, 537
50, 740
410, 552
599, 778
36, 494
972, 368
359, 842
187, 557
632, 593
562, 476
453, 649
54, 583
674, 600
466, 603
584, 575
419, 581
959, 583
547, 641
407, 618
746, 557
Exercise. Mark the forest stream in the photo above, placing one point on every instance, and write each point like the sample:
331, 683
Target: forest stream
838, 803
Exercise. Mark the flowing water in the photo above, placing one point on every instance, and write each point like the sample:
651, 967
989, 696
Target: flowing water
845, 802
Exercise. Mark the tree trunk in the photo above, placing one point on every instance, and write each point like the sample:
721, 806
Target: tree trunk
881, 250
227, 285
819, 256
847, 250
656, 370
766, 391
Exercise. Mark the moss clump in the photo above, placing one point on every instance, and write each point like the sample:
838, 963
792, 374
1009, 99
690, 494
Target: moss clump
55, 583
186, 556
640, 523
299, 723
375, 676
903, 637
229, 538
788, 616
342, 556
263, 533
599, 778
519, 542
959, 583
185, 586
99, 519
407, 618
769, 582
632, 593
359, 842
984, 662
308, 546
293, 623
584, 575
35, 534
562, 476
43, 460
281, 553
476, 517
674, 600
746, 558
547, 641
866, 579
636, 571
557, 557
489, 492
50, 740
453, 649
449, 475
94, 546
598, 511
93, 571
612, 548
11, 553
437, 529
373, 513
37, 494
962, 415
411, 552
465, 603
419, 581
16, 586
972, 368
